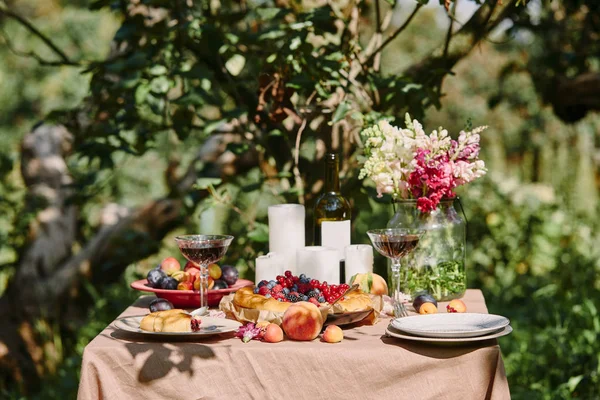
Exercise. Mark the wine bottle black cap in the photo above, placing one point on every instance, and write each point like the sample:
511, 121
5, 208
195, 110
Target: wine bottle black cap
331, 157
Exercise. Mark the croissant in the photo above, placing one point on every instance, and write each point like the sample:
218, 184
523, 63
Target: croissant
175, 320
246, 298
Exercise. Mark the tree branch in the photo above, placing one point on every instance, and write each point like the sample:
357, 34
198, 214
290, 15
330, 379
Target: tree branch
31, 28
393, 35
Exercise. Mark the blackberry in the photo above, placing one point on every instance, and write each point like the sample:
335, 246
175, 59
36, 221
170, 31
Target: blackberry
293, 298
312, 294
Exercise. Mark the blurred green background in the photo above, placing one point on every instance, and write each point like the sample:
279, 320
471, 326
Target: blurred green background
533, 232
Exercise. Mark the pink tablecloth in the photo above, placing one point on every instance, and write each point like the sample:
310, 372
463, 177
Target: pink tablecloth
365, 365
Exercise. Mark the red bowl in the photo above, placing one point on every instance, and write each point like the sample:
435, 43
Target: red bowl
190, 298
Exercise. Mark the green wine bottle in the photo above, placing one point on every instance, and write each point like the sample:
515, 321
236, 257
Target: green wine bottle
332, 212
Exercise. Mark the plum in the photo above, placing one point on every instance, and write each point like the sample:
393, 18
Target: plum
229, 274
160, 305
169, 283
220, 284
421, 299
154, 277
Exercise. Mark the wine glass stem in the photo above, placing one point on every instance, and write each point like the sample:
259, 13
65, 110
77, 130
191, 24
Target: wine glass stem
203, 286
396, 276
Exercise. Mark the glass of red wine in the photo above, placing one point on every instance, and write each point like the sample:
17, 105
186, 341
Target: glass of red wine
203, 250
395, 244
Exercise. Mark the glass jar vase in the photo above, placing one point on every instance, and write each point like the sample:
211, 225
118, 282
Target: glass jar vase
437, 265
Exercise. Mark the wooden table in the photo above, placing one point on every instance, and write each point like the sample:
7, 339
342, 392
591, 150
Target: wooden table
365, 365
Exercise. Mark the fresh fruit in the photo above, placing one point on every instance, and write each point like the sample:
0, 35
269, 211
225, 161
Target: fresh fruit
273, 334
292, 289
185, 286
170, 265
154, 277
169, 283
456, 306
230, 275
428, 308
302, 321
214, 271
211, 283
160, 305
220, 284
422, 299
370, 283
333, 334
179, 275
192, 269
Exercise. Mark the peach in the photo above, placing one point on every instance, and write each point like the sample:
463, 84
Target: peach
170, 265
211, 283
427, 308
214, 271
273, 334
370, 283
333, 334
456, 305
184, 286
192, 269
302, 321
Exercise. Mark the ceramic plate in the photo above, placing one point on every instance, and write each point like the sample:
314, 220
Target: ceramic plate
393, 332
453, 325
209, 326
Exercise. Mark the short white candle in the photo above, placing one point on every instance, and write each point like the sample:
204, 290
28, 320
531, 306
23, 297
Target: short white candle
268, 267
286, 232
318, 262
359, 260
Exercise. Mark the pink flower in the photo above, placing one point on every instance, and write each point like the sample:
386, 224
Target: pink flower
250, 331
431, 180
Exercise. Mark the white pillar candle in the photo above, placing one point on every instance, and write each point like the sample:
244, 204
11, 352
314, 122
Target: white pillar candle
359, 260
318, 262
336, 234
286, 232
268, 267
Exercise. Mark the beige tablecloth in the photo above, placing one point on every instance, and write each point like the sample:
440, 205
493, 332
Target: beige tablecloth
365, 365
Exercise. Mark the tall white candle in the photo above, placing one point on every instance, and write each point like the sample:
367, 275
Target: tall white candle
320, 263
336, 234
268, 267
359, 260
286, 232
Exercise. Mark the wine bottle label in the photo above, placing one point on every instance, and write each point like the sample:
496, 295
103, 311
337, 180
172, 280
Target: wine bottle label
336, 234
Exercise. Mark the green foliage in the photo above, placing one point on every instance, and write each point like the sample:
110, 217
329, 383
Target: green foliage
257, 71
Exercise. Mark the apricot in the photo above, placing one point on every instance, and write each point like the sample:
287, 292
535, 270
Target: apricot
214, 271
184, 286
456, 305
302, 321
192, 269
427, 308
273, 334
211, 283
370, 283
333, 334
170, 265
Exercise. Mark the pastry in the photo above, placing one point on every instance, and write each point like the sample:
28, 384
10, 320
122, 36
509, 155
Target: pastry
175, 320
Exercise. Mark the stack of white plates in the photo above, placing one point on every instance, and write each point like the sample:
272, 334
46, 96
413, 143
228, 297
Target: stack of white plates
454, 327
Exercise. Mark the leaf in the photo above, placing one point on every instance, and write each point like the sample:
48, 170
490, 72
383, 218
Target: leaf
160, 85
235, 64
238, 148
205, 183
260, 233
158, 70
341, 111
573, 382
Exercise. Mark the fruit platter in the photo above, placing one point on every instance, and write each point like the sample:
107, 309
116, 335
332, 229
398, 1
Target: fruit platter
269, 300
181, 286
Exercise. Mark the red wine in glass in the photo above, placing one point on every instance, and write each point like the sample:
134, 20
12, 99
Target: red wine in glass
204, 255
395, 247
203, 250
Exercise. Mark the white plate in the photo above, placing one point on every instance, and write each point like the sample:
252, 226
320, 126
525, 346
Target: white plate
393, 332
209, 326
452, 325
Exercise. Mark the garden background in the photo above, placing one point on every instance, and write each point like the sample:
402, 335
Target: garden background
169, 117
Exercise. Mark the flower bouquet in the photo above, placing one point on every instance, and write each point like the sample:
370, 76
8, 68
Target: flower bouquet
421, 171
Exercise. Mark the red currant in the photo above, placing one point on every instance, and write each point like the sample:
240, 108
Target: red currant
288, 274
